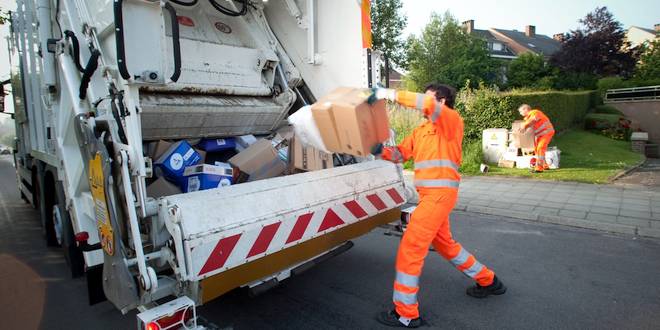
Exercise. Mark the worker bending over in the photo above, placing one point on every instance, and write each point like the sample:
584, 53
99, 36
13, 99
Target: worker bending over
543, 133
436, 148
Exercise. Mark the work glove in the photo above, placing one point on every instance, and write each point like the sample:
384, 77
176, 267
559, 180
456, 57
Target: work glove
377, 149
381, 93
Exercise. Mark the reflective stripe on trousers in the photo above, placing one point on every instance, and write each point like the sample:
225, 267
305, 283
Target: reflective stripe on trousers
463, 257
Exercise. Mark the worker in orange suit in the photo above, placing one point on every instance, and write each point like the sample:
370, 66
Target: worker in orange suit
543, 133
436, 148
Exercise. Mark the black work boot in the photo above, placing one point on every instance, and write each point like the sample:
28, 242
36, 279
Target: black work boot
478, 291
392, 319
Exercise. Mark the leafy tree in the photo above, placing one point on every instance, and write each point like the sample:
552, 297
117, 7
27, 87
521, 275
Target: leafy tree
387, 23
445, 53
649, 62
527, 70
598, 47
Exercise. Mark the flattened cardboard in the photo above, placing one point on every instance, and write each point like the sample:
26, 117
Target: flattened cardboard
259, 161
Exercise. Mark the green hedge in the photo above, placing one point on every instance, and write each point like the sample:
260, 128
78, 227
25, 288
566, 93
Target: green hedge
487, 108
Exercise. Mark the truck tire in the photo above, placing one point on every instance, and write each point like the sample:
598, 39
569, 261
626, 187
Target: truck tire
66, 238
47, 200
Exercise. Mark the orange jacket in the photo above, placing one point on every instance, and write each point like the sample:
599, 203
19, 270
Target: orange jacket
539, 122
435, 146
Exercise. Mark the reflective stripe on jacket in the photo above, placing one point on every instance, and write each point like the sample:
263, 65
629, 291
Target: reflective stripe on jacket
539, 122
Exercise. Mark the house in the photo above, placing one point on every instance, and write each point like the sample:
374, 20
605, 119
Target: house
509, 44
637, 36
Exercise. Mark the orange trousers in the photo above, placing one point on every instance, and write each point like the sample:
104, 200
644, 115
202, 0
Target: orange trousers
541, 146
429, 224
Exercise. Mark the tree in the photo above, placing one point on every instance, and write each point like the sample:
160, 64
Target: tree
387, 23
598, 47
445, 53
527, 70
649, 62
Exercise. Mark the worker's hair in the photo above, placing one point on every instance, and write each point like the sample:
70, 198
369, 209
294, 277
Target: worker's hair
442, 91
524, 106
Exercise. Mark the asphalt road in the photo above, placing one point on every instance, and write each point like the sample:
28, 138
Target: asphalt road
558, 278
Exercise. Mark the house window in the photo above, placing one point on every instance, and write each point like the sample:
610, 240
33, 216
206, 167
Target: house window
497, 46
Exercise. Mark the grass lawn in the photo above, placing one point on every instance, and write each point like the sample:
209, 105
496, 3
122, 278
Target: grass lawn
585, 157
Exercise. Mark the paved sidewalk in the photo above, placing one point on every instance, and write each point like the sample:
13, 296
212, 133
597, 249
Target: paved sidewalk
630, 209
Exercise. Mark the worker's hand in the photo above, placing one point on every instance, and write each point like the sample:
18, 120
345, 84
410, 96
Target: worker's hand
377, 149
381, 93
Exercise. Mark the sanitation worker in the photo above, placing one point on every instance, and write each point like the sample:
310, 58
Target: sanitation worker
435, 147
543, 133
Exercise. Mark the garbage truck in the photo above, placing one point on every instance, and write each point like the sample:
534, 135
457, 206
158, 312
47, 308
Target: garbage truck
96, 81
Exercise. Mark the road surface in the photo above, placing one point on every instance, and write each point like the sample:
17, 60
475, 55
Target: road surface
558, 278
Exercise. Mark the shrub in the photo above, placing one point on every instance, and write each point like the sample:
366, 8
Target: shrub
607, 109
403, 121
614, 126
472, 157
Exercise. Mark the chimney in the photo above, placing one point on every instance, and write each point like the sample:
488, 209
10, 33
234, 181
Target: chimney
559, 37
530, 31
468, 26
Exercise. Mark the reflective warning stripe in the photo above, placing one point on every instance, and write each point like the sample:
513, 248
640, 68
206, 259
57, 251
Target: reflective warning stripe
547, 131
461, 258
420, 101
536, 131
407, 280
406, 298
436, 163
236, 248
474, 269
437, 183
437, 112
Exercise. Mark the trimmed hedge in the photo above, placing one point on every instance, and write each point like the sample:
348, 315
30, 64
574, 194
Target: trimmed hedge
485, 108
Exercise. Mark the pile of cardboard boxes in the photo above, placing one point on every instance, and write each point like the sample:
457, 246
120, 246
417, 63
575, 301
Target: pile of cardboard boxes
511, 149
347, 124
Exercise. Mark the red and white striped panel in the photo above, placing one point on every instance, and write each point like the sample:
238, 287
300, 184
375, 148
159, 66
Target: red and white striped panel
236, 247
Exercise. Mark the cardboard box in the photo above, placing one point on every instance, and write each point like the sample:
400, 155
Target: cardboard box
158, 148
524, 162
348, 124
309, 159
244, 141
506, 163
174, 161
259, 161
204, 176
521, 140
162, 187
214, 145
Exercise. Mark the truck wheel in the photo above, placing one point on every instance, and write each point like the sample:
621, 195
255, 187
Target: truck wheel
72, 254
64, 233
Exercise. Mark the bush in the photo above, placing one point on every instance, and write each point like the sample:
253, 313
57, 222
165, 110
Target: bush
486, 108
607, 109
402, 120
574, 81
614, 126
472, 157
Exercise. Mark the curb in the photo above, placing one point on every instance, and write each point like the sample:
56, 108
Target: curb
565, 221
626, 171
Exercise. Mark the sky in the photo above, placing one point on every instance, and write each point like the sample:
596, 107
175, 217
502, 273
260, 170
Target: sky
549, 16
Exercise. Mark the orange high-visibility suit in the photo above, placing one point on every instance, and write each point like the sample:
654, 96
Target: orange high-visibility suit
543, 133
435, 147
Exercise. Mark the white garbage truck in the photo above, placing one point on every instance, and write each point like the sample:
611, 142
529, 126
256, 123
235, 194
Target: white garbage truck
96, 80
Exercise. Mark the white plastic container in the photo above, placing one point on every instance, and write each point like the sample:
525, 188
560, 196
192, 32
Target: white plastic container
494, 143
